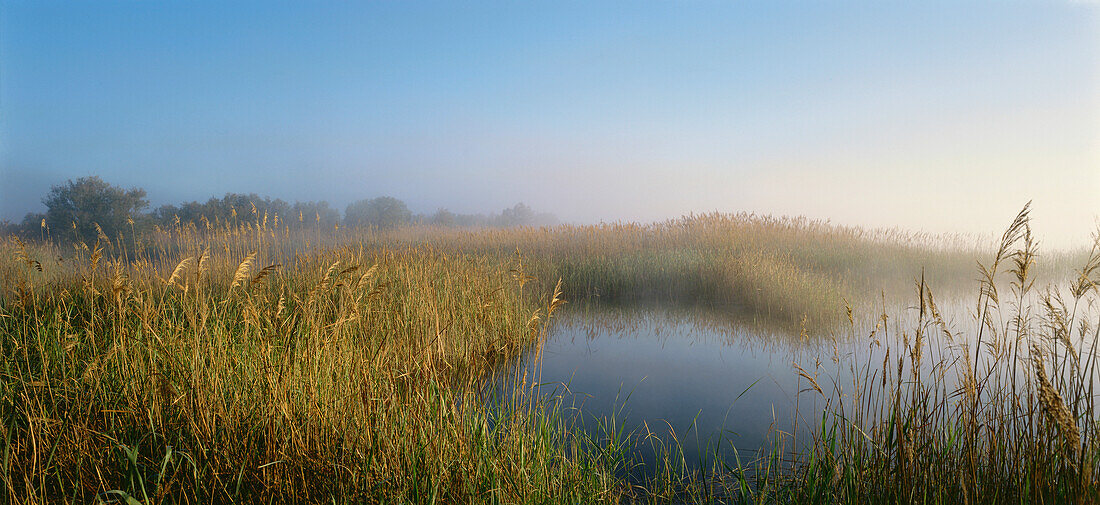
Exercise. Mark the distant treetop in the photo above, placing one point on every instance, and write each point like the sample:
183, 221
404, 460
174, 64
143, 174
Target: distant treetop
89, 208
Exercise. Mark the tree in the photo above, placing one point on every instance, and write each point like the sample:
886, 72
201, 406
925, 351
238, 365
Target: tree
382, 212
9, 228
32, 225
313, 214
442, 217
518, 215
237, 208
76, 207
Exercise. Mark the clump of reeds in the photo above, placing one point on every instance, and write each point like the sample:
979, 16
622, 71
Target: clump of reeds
220, 369
777, 268
1000, 412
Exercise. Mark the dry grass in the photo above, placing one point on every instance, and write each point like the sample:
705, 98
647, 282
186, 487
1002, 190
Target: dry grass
256, 363
349, 375
1002, 411
781, 269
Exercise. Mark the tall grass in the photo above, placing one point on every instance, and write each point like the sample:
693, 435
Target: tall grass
347, 376
785, 269
1002, 411
255, 363
780, 269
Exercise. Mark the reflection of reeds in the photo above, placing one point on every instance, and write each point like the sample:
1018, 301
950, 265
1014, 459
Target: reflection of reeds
682, 324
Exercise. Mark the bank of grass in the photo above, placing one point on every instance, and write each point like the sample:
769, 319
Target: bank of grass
347, 376
793, 270
255, 364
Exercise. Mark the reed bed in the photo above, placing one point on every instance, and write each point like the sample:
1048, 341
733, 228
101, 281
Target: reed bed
255, 363
203, 377
790, 270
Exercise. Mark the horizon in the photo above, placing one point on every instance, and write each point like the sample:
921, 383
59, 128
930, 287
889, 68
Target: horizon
942, 118
955, 239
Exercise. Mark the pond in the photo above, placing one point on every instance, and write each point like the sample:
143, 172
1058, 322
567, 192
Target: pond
710, 384
703, 388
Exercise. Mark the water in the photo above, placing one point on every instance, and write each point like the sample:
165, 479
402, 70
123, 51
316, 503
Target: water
710, 382
715, 387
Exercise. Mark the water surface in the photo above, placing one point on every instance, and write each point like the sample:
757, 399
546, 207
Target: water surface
699, 377
716, 387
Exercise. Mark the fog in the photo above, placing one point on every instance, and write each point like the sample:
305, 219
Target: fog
937, 118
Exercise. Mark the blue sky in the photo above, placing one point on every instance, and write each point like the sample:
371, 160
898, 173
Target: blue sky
933, 116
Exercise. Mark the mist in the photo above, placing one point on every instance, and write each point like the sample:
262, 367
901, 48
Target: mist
942, 118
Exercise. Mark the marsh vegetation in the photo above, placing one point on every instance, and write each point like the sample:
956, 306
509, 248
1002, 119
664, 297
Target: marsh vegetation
258, 361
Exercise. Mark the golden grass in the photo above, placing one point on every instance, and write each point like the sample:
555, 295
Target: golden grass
787, 269
256, 363
350, 375
1003, 411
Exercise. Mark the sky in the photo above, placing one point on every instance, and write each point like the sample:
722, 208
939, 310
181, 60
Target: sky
928, 116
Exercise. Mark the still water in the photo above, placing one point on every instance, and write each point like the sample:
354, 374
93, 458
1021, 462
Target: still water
711, 382
718, 388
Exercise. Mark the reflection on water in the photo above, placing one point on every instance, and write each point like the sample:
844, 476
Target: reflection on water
717, 387
713, 382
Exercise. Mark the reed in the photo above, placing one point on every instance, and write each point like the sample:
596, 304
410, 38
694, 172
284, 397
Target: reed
350, 375
1000, 411
779, 269
252, 362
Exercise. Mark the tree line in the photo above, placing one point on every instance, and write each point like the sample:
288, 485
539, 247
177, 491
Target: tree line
87, 208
